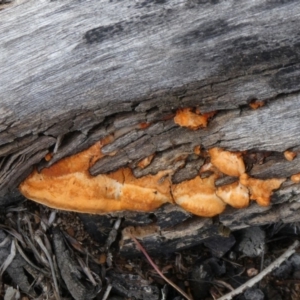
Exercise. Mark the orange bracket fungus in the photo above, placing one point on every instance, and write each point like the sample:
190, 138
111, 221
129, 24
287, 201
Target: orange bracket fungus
68, 185
234, 194
229, 163
198, 196
261, 190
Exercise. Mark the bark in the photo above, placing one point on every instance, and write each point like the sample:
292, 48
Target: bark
84, 70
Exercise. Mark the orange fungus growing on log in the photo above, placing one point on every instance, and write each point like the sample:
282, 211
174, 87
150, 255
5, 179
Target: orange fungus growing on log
229, 163
82, 192
186, 117
261, 190
289, 155
48, 157
68, 185
234, 194
296, 178
198, 196
255, 104
197, 150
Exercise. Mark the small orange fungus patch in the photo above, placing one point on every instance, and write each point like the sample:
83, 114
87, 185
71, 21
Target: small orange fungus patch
261, 190
289, 155
234, 194
256, 104
144, 125
186, 117
229, 163
198, 197
296, 178
146, 161
48, 156
197, 150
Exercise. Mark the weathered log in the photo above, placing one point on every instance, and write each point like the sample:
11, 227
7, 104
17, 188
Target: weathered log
83, 71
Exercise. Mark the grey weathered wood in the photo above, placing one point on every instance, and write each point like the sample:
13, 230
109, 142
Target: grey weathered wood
83, 70
88, 57
196, 231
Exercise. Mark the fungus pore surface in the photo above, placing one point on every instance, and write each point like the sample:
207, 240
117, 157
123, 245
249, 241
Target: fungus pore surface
68, 185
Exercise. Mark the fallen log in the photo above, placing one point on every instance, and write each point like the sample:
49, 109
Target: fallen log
85, 71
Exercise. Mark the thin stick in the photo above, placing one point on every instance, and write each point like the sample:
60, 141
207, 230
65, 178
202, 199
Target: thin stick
141, 248
107, 292
43, 247
20, 250
9, 258
291, 250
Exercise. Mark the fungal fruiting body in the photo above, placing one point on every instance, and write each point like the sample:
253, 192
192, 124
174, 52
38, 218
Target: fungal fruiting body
255, 104
289, 155
234, 194
194, 120
198, 196
296, 178
68, 185
82, 192
261, 190
229, 163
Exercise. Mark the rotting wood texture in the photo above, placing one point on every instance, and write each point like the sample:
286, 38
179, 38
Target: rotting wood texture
84, 71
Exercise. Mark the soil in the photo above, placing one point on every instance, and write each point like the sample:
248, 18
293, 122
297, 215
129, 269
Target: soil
206, 271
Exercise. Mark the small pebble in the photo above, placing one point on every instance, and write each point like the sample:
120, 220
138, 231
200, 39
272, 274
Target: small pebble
251, 241
254, 294
284, 270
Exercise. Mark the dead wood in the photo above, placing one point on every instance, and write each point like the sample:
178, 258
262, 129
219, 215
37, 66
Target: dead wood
82, 71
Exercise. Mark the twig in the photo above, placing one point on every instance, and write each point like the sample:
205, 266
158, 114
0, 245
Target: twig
141, 248
33, 248
74, 243
107, 292
9, 258
113, 234
5, 241
262, 274
20, 250
86, 271
262, 260
58, 143
223, 283
14, 233
40, 242
52, 218
28, 222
